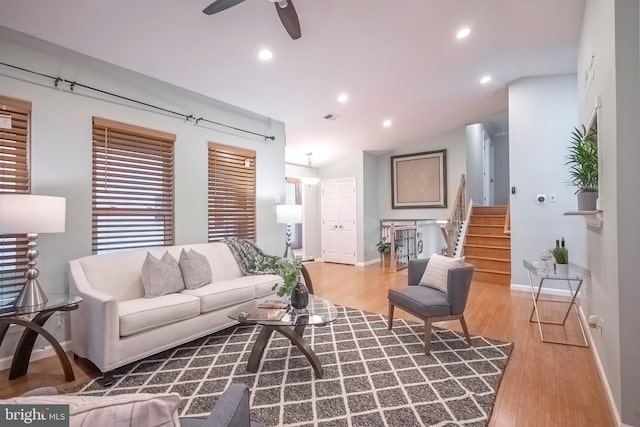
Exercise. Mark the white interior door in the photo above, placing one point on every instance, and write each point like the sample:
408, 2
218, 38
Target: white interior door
330, 214
347, 221
339, 221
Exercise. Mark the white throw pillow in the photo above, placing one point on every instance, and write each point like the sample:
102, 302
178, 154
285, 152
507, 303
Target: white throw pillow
435, 275
161, 277
195, 269
140, 409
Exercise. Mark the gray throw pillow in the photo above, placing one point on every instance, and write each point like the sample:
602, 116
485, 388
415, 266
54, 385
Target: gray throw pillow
195, 269
161, 277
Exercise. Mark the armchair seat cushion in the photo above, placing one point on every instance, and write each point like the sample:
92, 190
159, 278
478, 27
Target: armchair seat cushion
141, 314
422, 301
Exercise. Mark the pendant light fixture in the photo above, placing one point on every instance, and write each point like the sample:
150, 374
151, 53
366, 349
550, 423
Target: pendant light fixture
308, 179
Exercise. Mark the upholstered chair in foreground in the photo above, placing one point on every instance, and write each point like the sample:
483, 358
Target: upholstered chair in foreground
425, 301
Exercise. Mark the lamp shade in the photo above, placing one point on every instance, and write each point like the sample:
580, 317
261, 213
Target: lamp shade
28, 213
289, 214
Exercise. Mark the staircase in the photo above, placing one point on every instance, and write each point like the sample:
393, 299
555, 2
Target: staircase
488, 244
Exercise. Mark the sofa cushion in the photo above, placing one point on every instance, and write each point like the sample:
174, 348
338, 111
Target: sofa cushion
138, 409
226, 293
195, 269
436, 273
161, 276
141, 314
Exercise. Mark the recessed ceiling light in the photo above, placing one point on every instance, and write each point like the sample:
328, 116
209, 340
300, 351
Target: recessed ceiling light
265, 55
386, 123
343, 97
464, 32
485, 80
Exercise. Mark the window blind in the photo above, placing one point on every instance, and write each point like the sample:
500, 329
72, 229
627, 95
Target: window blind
133, 187
232, 192
15, 118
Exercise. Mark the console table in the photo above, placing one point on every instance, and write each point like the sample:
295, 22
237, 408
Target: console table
33, 327
573, 279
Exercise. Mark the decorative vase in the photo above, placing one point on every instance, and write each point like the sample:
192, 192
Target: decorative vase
562, 269
299, 296
386, 259
587, 200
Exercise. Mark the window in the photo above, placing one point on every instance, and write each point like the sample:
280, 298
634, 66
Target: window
293, 196
15, 117
132, 187
232, 192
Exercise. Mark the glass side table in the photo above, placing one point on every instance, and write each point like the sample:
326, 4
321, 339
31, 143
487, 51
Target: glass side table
573, 279
33, 327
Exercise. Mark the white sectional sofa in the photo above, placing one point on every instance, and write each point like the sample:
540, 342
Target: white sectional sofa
116, 325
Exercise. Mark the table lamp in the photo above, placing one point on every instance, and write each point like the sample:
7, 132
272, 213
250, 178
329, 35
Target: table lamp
30, 214
288, 214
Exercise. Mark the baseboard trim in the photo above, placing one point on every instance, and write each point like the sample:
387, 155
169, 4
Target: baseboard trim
37, 354
368, 263
548, 291
603, 377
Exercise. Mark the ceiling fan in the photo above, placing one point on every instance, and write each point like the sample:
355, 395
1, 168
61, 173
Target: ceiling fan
285, 9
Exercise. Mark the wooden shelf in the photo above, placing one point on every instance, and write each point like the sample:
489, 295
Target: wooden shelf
591, 218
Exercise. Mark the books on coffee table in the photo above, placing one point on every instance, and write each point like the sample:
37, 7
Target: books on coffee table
273, 303
266, 314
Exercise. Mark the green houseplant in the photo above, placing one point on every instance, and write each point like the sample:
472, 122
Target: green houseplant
289, 270
384, 248
583, 166
561, 257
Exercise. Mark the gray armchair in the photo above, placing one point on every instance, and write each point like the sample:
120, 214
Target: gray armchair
230, 410
431, 304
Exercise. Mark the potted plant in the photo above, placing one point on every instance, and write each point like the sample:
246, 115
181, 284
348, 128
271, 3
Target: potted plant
583, 166
561, 256
292, 287
384, 248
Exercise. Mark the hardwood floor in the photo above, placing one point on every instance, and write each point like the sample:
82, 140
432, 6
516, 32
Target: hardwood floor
544, 384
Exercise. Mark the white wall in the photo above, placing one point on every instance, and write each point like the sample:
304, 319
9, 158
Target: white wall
61, 147
608, 66
542, 114
501, 169
474, 143
454, 142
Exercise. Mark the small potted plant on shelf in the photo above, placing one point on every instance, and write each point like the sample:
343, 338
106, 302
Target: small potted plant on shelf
583, 166
561, 256
384, 248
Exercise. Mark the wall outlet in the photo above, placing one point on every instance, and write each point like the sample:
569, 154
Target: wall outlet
541, 198
552, 198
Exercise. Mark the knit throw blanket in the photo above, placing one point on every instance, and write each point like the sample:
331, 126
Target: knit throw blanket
250, 257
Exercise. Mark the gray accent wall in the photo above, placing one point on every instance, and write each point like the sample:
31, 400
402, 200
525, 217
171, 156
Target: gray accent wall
371, 223
608, 68
501, 169
61, 149
542, 114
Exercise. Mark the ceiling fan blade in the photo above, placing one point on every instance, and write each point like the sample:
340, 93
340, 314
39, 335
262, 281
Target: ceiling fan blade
220, 5
289, 19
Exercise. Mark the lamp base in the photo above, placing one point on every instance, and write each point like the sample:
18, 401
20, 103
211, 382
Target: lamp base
31, 295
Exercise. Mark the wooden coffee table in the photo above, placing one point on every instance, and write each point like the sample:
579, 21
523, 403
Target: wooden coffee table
319, 312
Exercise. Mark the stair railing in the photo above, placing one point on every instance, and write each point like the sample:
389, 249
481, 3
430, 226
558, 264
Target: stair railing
452, 229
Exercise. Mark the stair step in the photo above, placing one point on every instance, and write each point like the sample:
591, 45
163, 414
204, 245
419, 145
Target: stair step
486, 229
487, 220
493, 264
488, 240
487, 251
489, 210
490, 276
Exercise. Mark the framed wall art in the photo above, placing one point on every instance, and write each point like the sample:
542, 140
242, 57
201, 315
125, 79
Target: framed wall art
419, 180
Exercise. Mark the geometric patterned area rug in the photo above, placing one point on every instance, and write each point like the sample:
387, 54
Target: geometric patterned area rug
372, 376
